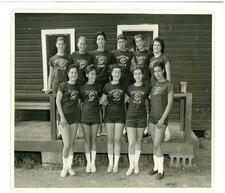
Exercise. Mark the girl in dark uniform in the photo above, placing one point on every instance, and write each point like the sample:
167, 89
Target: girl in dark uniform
114, 116
136, 118
101, 59
67, 104
161, 104
158, 48
90, 118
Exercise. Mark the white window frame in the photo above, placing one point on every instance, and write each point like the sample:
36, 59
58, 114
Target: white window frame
59, 32
140, 27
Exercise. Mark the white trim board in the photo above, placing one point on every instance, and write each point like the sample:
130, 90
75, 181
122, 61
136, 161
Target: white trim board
45, 32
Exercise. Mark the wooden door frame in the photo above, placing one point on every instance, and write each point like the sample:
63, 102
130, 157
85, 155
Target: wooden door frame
59, 32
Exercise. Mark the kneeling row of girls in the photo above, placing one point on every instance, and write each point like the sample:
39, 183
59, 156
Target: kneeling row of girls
88, 98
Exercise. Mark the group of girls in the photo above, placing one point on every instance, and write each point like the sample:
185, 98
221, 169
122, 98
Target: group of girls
112, 79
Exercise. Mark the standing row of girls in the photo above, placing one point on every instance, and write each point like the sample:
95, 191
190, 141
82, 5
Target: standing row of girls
103, 77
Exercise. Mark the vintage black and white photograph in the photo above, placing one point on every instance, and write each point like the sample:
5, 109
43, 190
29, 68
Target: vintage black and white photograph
112, 100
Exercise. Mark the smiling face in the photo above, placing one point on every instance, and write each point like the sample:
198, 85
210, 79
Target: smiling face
138, 75
158, 73
60, 45
82, 44
139, 43
72, 74
116, 74
122, 44
91, 76
100, 41
157, 47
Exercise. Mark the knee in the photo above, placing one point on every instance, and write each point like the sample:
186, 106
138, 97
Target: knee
67, 146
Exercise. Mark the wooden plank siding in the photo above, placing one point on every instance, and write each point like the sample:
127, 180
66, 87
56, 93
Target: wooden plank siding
188, 40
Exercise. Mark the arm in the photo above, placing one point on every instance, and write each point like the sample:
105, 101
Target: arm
126, 98
133, 64
167, 110
59, 107
103, 98
50, 77
167, 68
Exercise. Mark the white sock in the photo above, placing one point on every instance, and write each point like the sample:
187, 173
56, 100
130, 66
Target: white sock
160, 161
155, 163
116, 160
93, 155
88, 157
131, 160
110, 157
70, 161
137, 156
65, 162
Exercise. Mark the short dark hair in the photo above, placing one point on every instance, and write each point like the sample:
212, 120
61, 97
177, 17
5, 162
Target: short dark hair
138, 67
161, 41
90, 68
113, 66
100, 33
162, 66
60, 39
121, 36
70, 67
139, 36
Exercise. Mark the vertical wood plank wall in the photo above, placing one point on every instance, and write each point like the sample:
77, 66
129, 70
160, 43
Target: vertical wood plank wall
188, 40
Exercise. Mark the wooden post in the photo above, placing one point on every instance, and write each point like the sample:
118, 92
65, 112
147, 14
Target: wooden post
182, 115
188, 116
52, 117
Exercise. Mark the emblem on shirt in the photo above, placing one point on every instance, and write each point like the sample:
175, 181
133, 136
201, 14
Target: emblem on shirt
91, 96
73, 94
140, 59
116, 96
60, 63
137, 98
158, 90
123, 60
82, 63
101, 61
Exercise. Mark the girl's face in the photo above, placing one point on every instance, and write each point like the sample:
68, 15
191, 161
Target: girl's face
116, 74
72, 74
91, 76
100, 41
82, 45
122, 44
158, 73
60, 45
138, 75
139, 43
157, 47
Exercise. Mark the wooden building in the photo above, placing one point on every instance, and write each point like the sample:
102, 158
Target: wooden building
188, 40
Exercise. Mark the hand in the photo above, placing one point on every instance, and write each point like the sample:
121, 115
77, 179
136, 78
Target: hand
49, 91
160, 123
63, 122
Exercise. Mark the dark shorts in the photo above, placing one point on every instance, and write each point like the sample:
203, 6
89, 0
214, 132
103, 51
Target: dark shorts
137, 123
111, 119
72, 118
155, 120
89, 123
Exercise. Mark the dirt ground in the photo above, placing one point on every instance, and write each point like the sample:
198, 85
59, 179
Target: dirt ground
197, 176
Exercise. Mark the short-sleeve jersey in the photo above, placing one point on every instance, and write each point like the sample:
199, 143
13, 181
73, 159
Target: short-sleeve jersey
123, 59
70, 98
137, 96
102, 60
142, 58
81, 60
115, 96
159, 98
60, 65
90, 94
162, 58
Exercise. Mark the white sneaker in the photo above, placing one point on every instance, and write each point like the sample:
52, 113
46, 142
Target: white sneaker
93, 169
71, 172
63, 173
88, 168
136, 169
110, 168
115, 169
129, 171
